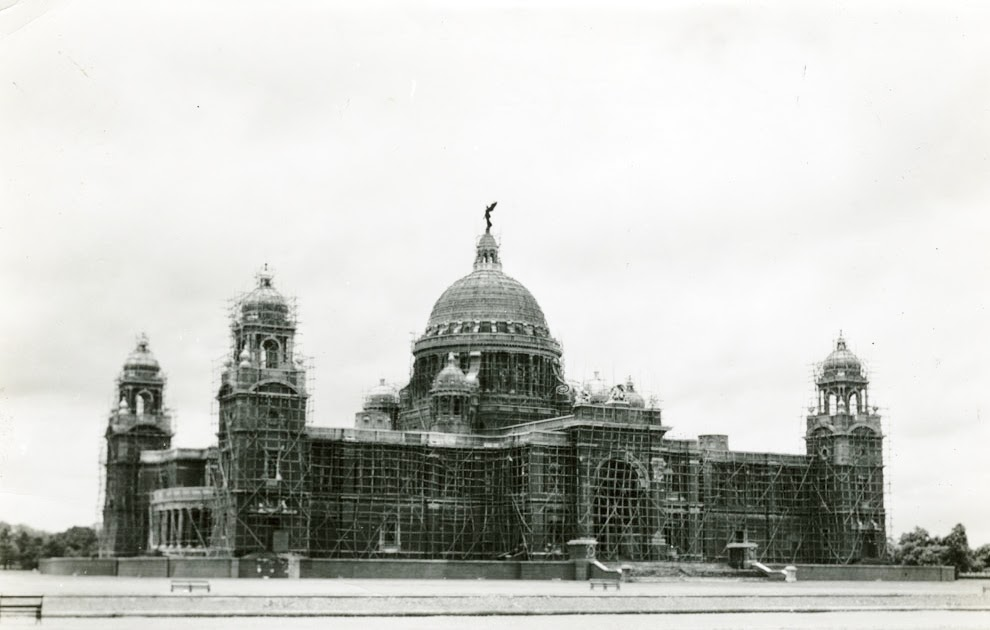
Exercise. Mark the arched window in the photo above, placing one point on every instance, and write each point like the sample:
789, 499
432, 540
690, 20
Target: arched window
143, 403
853, 404
271, 353
832, 406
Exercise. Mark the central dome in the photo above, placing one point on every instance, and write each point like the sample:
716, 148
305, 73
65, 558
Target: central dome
487, 294
491, 334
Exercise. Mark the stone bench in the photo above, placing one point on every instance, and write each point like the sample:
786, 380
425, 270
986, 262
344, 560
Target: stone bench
21, 605
605, 582
191, 585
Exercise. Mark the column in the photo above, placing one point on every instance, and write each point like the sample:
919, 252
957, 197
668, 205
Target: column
152, 528
180, 538
585, 527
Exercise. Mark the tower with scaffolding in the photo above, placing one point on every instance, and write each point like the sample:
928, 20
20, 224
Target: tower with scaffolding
138, 422
261, 477
845, 451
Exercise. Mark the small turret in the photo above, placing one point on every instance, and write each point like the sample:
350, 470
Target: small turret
453, 399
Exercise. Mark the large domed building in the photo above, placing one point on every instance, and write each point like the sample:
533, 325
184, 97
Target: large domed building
488, 452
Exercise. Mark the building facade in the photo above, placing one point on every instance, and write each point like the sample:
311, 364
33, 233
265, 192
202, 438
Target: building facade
488, 452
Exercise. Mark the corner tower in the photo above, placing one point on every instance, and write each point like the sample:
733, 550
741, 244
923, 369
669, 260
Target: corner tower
845, 450
262, 494
500, 342
138, 422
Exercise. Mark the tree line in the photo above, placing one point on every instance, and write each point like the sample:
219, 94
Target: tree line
918, 547
21, 547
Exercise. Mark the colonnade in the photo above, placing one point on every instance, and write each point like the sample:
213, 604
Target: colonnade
180, 527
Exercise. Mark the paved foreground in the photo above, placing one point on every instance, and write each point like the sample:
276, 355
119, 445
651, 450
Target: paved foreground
107, 602
956, 620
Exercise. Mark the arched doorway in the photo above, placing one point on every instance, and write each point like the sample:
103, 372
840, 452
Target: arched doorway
619, 511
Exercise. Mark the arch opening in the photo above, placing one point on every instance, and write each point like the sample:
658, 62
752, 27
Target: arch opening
619, 511
271, 351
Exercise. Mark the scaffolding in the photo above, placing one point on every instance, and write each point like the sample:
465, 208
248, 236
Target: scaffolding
261, 473
606, 473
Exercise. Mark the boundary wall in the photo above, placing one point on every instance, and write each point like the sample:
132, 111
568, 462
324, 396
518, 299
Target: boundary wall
432, 569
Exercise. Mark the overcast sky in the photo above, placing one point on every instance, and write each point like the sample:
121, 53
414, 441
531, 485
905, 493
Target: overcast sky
700, 196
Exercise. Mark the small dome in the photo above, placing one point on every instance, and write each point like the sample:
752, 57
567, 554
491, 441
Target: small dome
597, 389
633, 397
451, 379
264, 299
141, 358
381, 395
842, 359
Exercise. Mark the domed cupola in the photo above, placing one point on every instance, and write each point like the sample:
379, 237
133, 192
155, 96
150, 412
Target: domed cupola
497, 327
451, 379
264, 303
842, 361
141, 385
633, 397
263, 326
381, 408
597, 389
452, 400
381, 397
842, 382
141, 359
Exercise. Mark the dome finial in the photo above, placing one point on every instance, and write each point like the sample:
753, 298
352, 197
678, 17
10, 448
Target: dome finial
142, 342
264, 276
840, 343
488, 217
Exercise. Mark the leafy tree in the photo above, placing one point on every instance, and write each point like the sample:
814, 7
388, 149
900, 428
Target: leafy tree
75, 542
918, 548
981, 558
28, 549
23, 547
958, 553
921, 549
8, 550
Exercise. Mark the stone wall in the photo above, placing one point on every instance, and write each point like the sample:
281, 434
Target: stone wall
873, 572
78, 566
435, 569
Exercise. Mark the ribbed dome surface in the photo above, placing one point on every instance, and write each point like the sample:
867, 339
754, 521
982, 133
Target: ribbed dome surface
264, 298
487, 295
382, 394
842, 358
451, 378
141, 358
